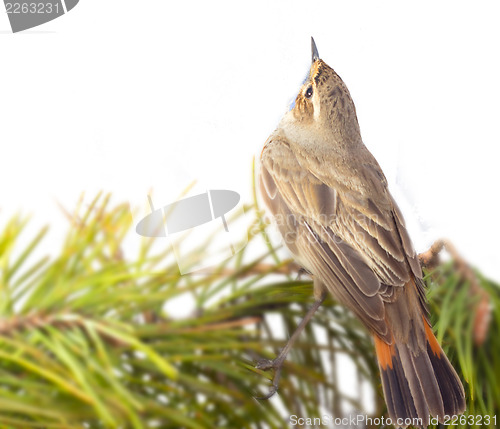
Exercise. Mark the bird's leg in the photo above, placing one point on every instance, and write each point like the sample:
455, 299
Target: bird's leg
277, 363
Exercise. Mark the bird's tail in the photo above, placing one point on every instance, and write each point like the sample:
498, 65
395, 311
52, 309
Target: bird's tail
418, 384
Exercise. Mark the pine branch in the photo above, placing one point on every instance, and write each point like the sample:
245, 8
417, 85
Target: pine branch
85, 340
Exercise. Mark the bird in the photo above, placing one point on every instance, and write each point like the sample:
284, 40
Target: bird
331, 203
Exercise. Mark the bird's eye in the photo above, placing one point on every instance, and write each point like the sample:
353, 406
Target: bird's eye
309, 92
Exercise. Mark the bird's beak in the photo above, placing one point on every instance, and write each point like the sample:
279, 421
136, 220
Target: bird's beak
314, 49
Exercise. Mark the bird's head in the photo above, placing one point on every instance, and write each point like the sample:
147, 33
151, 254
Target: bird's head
323, 100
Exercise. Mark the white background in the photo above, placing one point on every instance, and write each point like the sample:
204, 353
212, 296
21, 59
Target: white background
131, 96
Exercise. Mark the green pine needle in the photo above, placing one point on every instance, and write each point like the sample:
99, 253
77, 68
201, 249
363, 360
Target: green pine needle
85, 340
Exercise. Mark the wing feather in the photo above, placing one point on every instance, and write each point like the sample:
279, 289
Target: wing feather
360, 250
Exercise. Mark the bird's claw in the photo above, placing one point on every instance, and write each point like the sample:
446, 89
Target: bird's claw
272, 390
266, 365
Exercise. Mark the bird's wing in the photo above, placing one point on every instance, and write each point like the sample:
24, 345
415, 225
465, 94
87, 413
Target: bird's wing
359, 252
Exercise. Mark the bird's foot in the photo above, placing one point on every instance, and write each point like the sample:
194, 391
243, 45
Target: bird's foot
277, 365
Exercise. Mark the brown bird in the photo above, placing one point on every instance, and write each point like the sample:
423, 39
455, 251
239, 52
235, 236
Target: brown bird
332, 205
